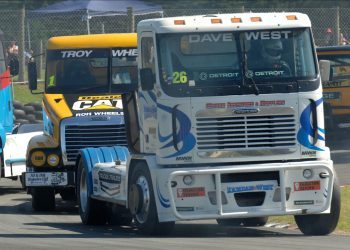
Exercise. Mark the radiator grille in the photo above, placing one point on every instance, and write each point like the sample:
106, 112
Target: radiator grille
227, 133
78, 137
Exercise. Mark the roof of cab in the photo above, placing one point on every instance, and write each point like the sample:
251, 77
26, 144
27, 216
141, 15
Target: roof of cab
93, 41
227, 22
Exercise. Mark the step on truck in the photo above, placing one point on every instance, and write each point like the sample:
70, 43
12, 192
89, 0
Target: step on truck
226, 123
8, 68
82, 107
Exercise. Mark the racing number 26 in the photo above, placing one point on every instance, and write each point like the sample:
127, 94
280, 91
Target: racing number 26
179, 77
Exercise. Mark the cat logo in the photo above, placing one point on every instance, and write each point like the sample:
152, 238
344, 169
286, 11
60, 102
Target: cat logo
95, 103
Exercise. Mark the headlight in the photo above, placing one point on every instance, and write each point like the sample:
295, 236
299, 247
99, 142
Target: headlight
188, 180
53, 160
307, 173
38, 158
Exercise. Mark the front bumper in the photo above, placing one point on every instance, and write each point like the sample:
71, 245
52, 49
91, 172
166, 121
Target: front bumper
213, 196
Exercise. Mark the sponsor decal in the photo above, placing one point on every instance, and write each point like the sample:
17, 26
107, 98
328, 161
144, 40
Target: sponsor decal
239, 104
241, 111
211, 37
109, 177
124, 52
110, 182
102, 97
306, 132
190, 192
331, 84
262, 103
75, 53
219, 75
96, 102
267, 35
162, 199
97, 113
184, 158
331, 95
309, 153
216, 105
307, 185
249, 188
269, 73
304, 202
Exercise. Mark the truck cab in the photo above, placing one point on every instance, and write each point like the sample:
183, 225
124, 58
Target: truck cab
82, 107
336, 89
227, 123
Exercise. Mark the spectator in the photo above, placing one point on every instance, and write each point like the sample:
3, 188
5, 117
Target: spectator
343, 40
13, 49
329, 37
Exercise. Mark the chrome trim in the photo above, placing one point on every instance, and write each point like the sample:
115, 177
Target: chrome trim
223, 133
245, 153
88, 123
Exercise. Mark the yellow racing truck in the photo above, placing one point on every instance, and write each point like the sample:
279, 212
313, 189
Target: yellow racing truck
85, 77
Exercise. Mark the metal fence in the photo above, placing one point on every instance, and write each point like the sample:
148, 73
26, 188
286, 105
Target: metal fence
32, 31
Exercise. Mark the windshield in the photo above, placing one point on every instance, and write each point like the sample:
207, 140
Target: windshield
340, 69
222, 63
91, 70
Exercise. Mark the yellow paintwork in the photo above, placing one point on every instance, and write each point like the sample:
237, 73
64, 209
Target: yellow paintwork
343, 87
56, 111
41, 142
93, 41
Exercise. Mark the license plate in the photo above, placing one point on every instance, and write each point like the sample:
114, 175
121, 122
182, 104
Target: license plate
46, 179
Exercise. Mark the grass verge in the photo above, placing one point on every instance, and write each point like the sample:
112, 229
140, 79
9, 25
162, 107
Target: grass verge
344, 220
23, 94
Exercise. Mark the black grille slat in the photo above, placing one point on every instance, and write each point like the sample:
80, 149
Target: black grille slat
78, 137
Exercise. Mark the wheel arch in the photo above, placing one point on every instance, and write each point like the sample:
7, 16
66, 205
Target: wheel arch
92, 156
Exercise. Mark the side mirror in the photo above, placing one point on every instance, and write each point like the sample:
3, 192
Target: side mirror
14, 66
325, 70
32, 76
147, 79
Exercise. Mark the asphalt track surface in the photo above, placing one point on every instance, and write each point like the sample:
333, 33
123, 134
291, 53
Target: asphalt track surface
21, 228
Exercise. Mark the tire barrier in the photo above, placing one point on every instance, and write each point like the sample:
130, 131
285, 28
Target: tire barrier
27, 113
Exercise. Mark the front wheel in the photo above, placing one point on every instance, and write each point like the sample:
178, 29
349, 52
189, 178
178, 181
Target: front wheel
321, 224
92, 212
142, 203
43, 198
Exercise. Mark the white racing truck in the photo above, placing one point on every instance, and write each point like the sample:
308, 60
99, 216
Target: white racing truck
227, 123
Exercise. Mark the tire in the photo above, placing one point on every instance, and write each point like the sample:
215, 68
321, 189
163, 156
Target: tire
43, 199
38, 115
118, 215
19, 114
22, 121
92, 212
35, 105
142, 203
68, 194
29, 109
246, 222
31, 118
321, 224
17, 104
